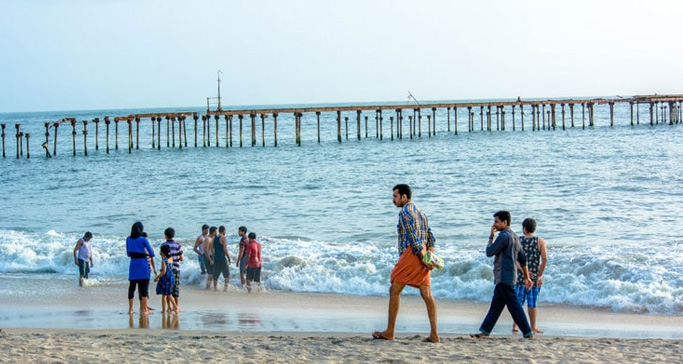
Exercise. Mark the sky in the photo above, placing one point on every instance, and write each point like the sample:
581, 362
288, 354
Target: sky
104, 54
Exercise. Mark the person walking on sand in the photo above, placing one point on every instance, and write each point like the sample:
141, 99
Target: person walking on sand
177, 255
209, 255
508, 252
199, 248
221, 259
415, 238
254, 261
138, 248
537, 260
241, 256
83, 257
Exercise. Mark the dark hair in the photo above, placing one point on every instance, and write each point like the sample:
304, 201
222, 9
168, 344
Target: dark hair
242, 229
165, 250
403, 189
221, 229
529, 224
212, 230
503, 216
204, 227
169, 232
252, 235
136, 230
87, 235
145, 235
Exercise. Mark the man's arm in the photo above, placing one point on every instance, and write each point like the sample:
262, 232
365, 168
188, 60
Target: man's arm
78, 245
544, 261
224, 242
497, 246
199, 240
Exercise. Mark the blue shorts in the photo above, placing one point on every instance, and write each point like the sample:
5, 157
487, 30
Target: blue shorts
530, 295
83, 268
243, 265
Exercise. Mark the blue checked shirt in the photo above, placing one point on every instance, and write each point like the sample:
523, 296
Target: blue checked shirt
413, 230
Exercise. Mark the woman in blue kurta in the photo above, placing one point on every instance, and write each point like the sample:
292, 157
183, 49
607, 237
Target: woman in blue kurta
138, 248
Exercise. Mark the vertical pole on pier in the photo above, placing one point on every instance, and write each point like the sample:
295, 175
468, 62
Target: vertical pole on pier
533, 117
391, 118
563, 125
637, 113
398, 124
253, 129
230, 127
180, 131
130, 135
137, 133
275, 129
611, 114
376, 125
3, 139
106, 123
553, 117
73, 135
158, 132
571, 113
410, 126
592, 115
651, 111
85, 138
366, 126
204, 131
240, 116
470, 123
672, 108
583, 115
28, 147
97, 132
488, 118
502, 118
263, 130
317, 116
168, 132
630, 103
208, 130
195, 117
429, 125
498, 118
543, 116
185, 130
339, 135
216, 117
298, 129
45, 145
358, 127
346, 126
434, 121
227, 130
116, 133
521, 115
381, 129
17, 136
481, 117
513, 118
455, 119
448, 118
419, 123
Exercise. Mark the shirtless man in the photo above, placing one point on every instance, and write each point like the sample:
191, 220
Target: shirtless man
199, 247
209, 254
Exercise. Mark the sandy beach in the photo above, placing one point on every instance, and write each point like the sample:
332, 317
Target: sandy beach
270, 326
125, 346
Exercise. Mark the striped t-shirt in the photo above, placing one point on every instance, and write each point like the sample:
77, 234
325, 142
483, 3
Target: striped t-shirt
176, 253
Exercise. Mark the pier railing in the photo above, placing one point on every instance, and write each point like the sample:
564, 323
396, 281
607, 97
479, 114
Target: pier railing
551, 114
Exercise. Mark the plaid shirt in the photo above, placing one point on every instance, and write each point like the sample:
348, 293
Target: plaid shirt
413, 230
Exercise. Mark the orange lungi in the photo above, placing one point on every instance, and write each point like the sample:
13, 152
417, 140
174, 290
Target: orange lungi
410, 271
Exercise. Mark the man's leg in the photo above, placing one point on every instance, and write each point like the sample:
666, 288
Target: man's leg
496, 308
515, 309
533, 299
394, 304
426, 293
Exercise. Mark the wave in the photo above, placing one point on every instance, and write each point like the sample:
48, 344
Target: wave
639, 277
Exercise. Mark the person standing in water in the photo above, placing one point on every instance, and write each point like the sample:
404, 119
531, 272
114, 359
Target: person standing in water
83, 257
138, 248
221, 259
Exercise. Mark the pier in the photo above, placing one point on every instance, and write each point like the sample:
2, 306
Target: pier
230, 128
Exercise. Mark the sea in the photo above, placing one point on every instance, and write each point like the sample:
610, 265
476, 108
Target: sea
608, 201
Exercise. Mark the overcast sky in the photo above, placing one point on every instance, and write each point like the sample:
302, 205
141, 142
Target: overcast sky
95, 54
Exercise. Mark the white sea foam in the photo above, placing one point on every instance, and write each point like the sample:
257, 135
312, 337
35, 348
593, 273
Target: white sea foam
626, 278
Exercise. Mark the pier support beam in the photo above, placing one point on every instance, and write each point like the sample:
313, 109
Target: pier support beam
28, 146
106, 123
563, 124
97, 132
571, 113
159, 133
434, 121
85, 138
275, 128
3, 139
455, 119
73, 136
253, 129
358, 127
240, 116
611, 114
339, 134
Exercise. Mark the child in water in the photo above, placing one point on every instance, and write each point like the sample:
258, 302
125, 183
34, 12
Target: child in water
165, 280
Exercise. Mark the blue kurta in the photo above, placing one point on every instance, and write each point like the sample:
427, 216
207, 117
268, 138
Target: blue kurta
138, 249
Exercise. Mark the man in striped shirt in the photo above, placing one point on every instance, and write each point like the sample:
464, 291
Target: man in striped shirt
415, 238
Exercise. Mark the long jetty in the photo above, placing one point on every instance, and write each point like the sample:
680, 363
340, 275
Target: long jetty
480, 115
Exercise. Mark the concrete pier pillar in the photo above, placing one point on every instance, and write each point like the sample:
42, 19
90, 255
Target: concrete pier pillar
513, 118
410, 126
227, 130
171, 136
419, 123
481, 117
434, 121
346, 126
583, 115
358, 127
130, 135
263, 130
563, 125
470, 123
275, 128
339, 134
17, 137
652, 105
488, 118
521, 115
159, 132
97, 132
455, 119
73, 135
381, 126
195, 117
137, 133
240, 116
544, 118
398, 124
429, 125
317, 115
448, 118
502, 119
533, 117
168, 129
28, 146
611, 114
498, 127
553, 117
391, 118
571, 114
85, 138
106, 123
253, 129
366, 127
3, 139
45, 144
